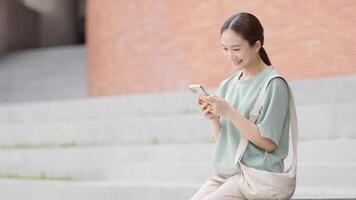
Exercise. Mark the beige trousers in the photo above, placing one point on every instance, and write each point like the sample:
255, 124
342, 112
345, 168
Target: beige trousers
220, 187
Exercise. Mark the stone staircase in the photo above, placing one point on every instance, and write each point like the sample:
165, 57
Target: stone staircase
154, 146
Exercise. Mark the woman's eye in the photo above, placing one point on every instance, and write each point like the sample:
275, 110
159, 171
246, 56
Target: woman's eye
225, 49
236, 49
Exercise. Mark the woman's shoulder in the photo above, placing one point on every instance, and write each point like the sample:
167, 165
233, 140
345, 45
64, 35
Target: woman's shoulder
278, 83
278, 80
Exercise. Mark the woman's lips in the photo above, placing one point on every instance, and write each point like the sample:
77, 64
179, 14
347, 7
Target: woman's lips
237, 62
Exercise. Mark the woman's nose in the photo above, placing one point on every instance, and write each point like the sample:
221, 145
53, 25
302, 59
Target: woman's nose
231, 55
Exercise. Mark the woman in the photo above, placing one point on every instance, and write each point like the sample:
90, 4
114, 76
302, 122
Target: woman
242, 42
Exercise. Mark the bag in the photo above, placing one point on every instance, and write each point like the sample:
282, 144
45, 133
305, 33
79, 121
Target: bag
260, 184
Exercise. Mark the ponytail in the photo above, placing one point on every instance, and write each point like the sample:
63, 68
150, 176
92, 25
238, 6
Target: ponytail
264, 56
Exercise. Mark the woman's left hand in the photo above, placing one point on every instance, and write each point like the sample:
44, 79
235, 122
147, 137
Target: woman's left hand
219, 106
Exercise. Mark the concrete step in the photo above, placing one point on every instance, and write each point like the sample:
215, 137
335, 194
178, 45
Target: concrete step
170, 163
309, 174
73, 190
100, 108
325, 90
180, 102
43, 74
128, 130
54, 190
335, 121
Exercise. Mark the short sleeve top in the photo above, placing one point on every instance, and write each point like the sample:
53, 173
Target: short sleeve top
273, 123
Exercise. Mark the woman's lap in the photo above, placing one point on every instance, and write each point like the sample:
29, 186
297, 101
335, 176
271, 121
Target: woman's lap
219, 187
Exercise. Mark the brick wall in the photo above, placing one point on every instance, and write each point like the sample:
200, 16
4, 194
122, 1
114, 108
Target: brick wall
149, 46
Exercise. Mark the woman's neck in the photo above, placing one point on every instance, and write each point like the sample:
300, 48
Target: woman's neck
253, 69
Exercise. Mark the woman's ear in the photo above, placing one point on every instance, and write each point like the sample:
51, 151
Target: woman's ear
257, 46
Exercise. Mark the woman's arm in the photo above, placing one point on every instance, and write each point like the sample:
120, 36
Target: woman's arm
250, 130
214, 119
216, 128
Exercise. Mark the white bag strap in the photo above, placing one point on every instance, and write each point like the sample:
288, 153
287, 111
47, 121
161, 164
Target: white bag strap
255, 113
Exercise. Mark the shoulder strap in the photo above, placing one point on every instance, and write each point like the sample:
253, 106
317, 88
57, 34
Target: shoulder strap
255, 113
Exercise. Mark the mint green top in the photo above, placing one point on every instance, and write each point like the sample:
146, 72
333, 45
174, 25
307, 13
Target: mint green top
273, 123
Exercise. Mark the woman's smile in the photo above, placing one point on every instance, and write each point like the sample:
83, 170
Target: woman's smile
237, 62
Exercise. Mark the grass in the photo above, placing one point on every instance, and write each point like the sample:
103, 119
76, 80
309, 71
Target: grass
41, 177
30, 146
161, 114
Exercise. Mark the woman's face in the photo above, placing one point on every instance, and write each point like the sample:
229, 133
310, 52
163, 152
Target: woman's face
238, 50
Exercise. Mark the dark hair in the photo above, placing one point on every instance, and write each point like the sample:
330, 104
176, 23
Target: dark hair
248, 27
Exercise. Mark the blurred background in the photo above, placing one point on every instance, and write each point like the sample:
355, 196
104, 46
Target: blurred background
94, 101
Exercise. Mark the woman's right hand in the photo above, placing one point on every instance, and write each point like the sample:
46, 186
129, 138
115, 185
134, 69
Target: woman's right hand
205, 109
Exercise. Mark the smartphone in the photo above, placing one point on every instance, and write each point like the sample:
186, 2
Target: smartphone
198, 89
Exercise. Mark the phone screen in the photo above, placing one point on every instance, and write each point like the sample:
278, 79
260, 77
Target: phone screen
198, 89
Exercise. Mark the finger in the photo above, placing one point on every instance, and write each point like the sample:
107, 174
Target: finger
202, 101
203, 97
205, 112
199, 102
208, 109
203, 106
210, 99
211, 109
209, 115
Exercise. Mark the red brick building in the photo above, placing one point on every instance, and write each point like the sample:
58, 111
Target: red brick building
149, 46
